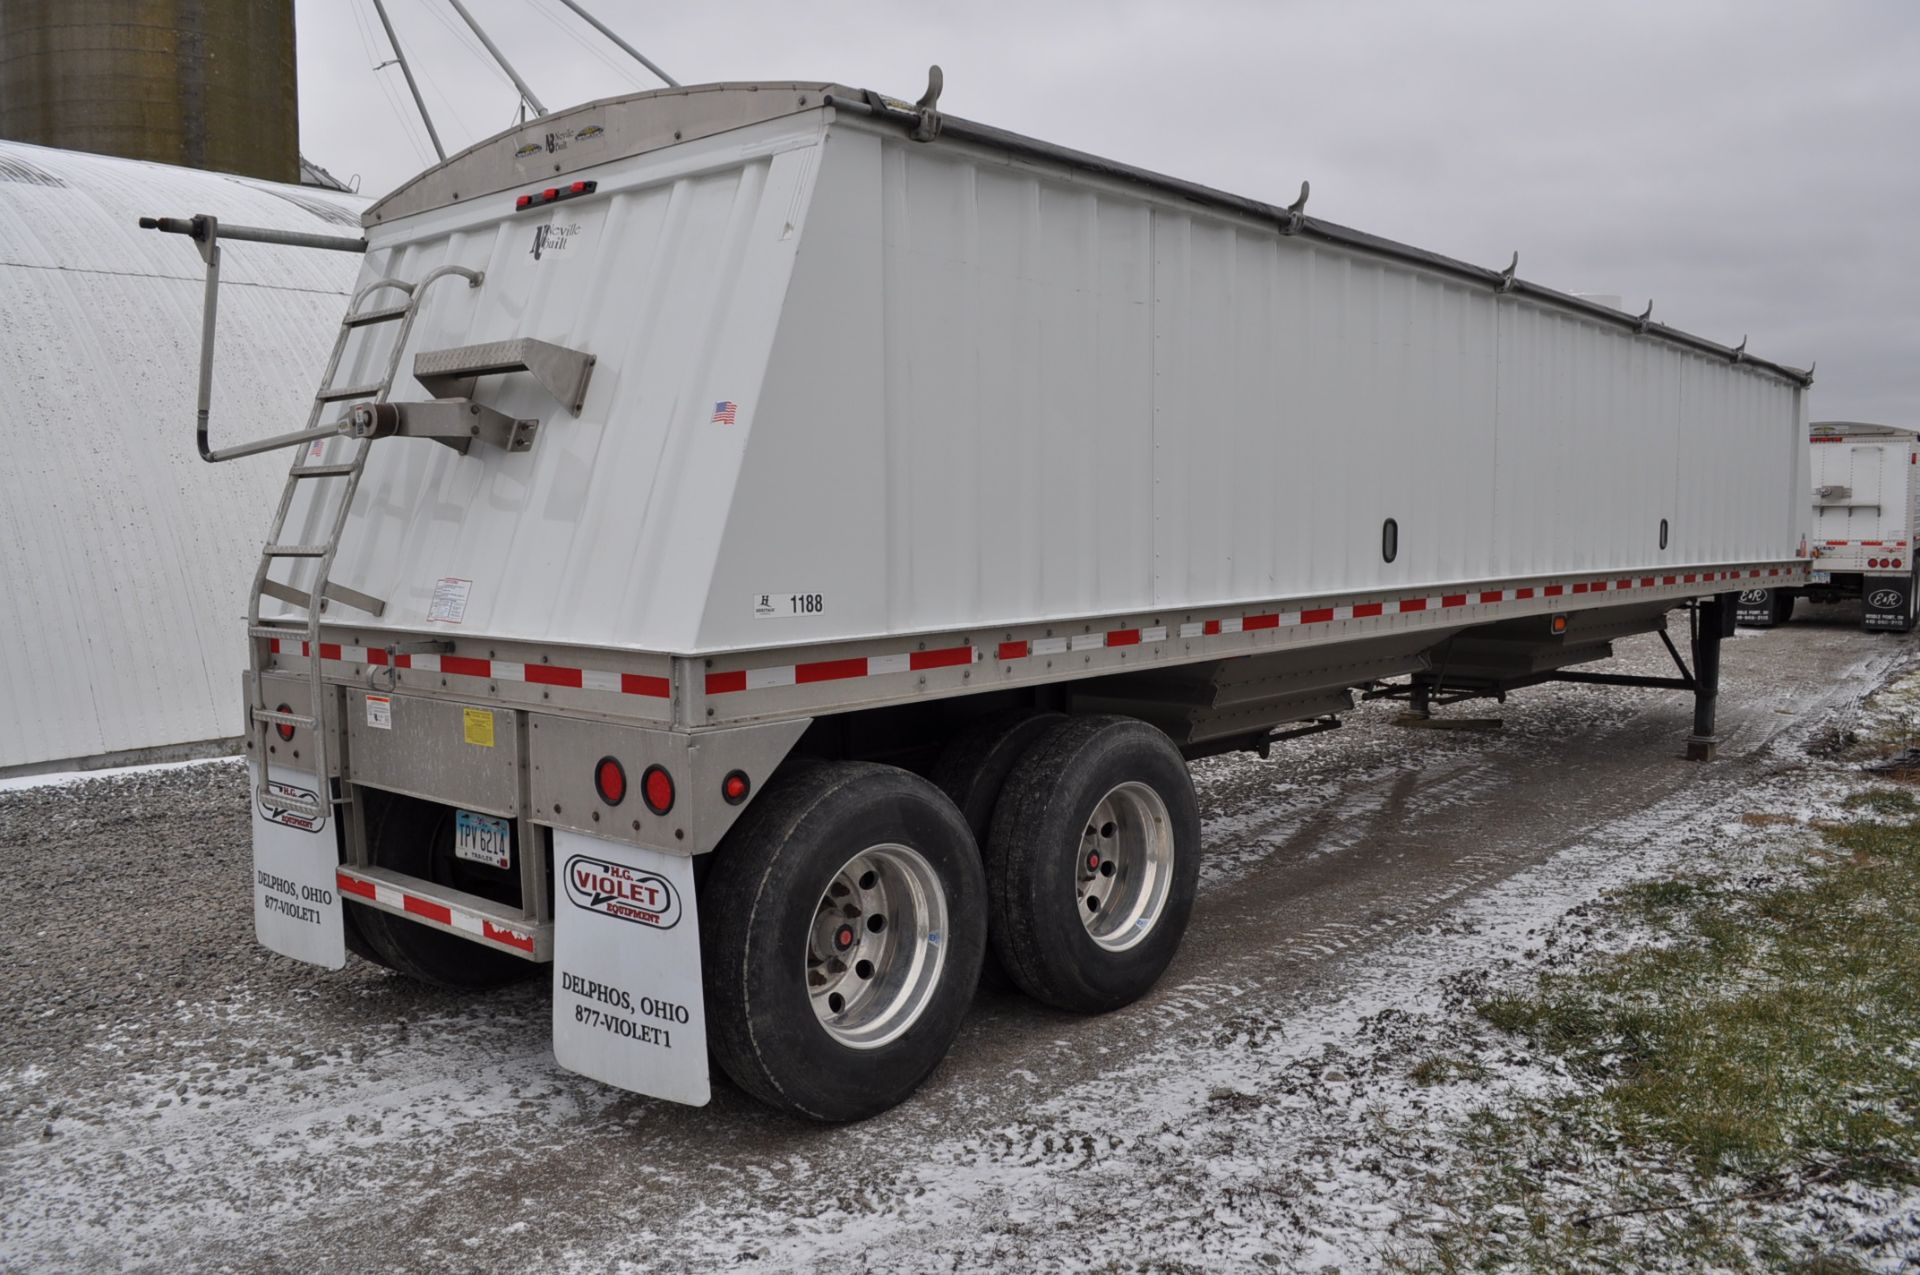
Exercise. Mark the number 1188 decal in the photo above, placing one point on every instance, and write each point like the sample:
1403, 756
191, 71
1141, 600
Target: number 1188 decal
777, 606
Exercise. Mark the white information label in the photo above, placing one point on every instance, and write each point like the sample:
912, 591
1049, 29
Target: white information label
449, 603
380, 712
785, 606
627, 1007
296, 894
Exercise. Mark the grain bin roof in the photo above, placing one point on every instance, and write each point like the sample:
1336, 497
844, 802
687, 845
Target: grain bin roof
127, 558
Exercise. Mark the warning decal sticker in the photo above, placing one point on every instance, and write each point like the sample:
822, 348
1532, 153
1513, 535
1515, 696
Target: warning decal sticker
449, 603
478, 725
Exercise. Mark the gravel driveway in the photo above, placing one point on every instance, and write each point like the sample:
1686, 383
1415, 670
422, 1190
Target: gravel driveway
177, 1098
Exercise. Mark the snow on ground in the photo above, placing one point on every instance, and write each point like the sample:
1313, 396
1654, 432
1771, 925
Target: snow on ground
61, 778
1293, 1139
175, 1097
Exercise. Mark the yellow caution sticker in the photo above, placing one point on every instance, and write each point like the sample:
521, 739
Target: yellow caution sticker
479, 724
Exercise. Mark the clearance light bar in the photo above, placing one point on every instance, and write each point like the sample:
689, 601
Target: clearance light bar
554, 194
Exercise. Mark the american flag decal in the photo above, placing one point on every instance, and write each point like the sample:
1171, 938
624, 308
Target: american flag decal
724, 412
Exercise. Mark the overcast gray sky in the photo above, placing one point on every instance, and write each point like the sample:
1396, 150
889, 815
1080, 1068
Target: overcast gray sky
1753, 167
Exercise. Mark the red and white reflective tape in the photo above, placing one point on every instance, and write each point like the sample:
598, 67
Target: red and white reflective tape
460, 919
754, 679
757, 679
498, 670
732, 681
1878, 544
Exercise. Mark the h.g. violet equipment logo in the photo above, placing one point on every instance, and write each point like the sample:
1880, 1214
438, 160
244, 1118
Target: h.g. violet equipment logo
612, 889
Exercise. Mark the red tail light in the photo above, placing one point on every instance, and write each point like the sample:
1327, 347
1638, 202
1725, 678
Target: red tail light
552, 193
285, 731
735, 787
610, 780
656, 789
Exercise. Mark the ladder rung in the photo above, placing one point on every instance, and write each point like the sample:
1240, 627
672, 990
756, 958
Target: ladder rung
274, 631
304, 600
294, 806
322, 471
295, 551
268, 717
386, 314
336, 393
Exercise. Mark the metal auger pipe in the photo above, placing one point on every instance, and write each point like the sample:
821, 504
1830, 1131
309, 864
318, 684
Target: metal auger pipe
499, 57
631, 52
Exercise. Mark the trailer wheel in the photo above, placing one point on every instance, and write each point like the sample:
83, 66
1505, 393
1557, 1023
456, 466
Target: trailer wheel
401, 835
972, 770
357, 941
842, 924
1782, 605
1092, 863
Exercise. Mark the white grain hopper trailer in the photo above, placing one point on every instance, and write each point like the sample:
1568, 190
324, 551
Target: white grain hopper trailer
781, 542
1866, 524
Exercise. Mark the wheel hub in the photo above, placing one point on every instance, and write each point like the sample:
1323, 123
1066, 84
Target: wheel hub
1126, 866
875, 950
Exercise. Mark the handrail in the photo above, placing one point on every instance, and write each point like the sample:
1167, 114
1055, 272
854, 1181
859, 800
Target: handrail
206, 232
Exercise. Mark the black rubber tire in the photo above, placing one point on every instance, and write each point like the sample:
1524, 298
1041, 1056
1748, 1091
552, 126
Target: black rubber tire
972, 770
1783, 600
401, 836
756, 910
356, 939
1033, 851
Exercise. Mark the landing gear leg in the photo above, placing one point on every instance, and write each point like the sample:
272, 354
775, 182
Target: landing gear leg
1713, 620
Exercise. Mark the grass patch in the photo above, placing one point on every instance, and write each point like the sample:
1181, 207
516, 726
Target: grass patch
1893, 803
1769, 1046
1442, 1069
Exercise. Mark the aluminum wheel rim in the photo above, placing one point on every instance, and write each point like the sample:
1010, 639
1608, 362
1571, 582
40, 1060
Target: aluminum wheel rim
1125, 870
876, 946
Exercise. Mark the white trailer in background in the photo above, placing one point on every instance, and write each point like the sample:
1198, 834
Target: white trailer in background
1866, 524
814, 531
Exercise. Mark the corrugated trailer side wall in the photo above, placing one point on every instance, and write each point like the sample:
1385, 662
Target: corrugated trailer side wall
1081, 399
605, 532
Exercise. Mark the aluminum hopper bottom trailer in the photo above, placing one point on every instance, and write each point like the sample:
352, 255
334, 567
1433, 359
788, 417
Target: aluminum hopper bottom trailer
815, 532
1866, 526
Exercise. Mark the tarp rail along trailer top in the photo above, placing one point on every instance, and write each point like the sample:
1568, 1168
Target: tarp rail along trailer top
1866, 525
778, 547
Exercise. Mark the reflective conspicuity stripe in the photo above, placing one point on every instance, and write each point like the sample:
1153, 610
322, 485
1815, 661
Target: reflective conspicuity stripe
452, 917
733, 681
495, 670
755, 679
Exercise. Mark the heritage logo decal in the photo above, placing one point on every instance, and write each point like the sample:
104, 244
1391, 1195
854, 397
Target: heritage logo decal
278, 811
611, 889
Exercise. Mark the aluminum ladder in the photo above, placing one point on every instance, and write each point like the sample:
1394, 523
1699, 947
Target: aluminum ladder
285, 800
331, 505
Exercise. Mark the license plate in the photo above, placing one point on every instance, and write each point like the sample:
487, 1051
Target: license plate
482, 839
1822, 577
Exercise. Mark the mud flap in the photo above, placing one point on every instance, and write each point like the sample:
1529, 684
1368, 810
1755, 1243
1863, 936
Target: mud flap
1886, 601
296, 893
627, 1004
1754, 610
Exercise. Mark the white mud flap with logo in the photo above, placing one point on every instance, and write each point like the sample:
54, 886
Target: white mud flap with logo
627, 1006
296, 892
